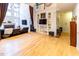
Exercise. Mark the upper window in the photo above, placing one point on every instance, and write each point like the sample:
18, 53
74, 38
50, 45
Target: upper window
8, 13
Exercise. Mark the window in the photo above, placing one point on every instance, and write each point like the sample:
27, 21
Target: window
13, 12
16, 12
8, 13
10, 6
16, 5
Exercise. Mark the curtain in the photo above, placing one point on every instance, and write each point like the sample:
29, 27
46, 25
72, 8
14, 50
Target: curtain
31, 14
3, 10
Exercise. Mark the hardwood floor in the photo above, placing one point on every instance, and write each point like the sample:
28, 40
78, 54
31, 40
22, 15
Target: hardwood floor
35, 44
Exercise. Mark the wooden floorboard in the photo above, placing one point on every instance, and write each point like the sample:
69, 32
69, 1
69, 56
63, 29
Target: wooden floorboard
35, 44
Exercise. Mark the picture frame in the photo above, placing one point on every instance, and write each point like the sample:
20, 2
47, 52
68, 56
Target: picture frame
49, 15
43, 15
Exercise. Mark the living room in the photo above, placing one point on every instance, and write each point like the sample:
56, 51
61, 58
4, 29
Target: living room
17, 18
26, 26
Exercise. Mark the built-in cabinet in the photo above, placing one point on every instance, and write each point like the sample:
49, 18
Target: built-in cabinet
46, 11
42, 23
45, 25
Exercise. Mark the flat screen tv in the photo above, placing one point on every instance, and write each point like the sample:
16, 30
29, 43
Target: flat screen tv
24, 22
43, 21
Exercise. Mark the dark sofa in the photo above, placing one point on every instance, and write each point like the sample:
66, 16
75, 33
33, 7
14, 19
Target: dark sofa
15, 32
18, 31
24, 30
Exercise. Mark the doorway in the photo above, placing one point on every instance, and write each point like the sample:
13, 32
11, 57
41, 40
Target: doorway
63, 22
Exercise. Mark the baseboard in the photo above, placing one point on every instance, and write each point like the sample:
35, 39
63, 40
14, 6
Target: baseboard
66, 33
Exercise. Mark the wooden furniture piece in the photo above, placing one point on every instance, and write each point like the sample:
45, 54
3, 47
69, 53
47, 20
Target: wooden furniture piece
73, 33
59, 31
51, 33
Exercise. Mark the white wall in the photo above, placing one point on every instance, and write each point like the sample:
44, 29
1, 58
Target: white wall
64, 19
24, 14
76, 13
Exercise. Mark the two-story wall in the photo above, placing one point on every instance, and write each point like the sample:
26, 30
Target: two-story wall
52, 20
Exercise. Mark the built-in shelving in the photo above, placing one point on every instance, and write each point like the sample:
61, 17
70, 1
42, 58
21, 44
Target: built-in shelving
50, 16
43, 28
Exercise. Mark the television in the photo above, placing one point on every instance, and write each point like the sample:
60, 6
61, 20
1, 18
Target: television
43, 21
24, 22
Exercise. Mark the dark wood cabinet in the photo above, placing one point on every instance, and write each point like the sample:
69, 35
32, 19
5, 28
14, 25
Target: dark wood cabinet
73, 33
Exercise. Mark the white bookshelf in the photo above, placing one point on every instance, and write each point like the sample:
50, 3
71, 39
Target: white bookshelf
44, 28
50, 16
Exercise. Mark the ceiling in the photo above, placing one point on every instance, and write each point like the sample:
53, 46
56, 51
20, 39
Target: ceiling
65, 6
61, 6
32, 4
